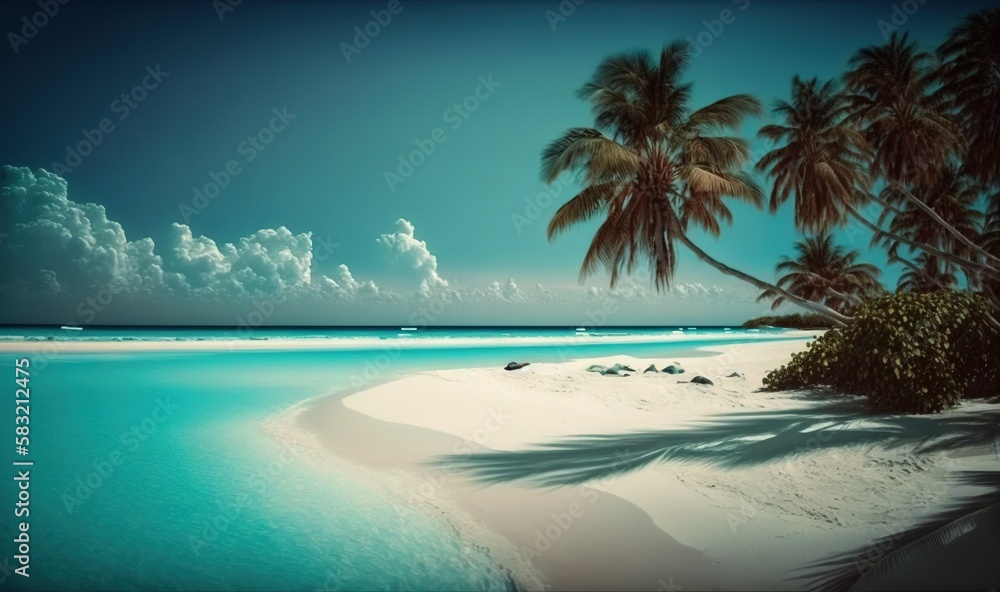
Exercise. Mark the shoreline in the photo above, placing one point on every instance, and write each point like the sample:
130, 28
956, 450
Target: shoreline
125, 345
657, 527
397, 475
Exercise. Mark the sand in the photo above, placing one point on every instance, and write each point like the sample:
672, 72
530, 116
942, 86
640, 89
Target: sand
787, 480
821, 479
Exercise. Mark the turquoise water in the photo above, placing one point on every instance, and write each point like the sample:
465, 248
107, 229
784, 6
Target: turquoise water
153, 470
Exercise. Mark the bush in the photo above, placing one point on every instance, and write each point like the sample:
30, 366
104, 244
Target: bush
791, 321
912, 353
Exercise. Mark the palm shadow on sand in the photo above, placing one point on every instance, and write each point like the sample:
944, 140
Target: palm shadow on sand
728, 440
744, 439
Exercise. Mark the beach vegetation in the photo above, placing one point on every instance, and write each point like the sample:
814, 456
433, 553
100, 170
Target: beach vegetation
905, 352
904, 147
794, 320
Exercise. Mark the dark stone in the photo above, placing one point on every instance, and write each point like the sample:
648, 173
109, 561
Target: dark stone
736, 375
596, 368
701, 380
516, 365
652, 368
673, 369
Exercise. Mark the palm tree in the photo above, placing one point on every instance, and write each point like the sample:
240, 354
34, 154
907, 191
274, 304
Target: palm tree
654, 168
927, 274
912, 137
821, 160
825, 272
892, 103
970, 78
991, 243
953, 197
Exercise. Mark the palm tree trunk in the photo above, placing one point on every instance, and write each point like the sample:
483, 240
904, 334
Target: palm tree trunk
837, 318
919, 270
991, 295
965, 264
951, 229
848, 298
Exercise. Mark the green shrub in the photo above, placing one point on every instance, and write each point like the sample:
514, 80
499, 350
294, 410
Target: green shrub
912, 353
790, 321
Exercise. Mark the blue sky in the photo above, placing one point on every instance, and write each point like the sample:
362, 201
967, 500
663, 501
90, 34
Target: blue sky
213, 82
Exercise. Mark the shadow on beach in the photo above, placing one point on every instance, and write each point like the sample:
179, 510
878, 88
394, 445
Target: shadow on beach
731, 440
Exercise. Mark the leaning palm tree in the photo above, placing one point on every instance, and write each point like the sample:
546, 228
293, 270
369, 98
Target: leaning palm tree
820, 158
823, 271
893, 103
912, 136
655, 168
970, 78
991, 242
954, 198
926, 274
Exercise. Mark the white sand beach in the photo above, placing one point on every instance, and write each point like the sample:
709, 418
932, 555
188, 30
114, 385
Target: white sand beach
785, 479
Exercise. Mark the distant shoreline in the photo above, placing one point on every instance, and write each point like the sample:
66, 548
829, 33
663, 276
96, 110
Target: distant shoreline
90, 345
802, 322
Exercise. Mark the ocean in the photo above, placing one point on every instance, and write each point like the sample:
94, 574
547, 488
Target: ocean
156, 470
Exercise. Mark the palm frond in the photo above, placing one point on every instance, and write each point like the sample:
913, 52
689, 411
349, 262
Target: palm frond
580, 208
582, 147
843, 572
724, 114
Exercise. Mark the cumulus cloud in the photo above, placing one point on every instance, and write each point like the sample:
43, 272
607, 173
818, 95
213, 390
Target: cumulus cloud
270, 261
53, 245
350, 288
506, 292
404, 247
544, 295
638, 293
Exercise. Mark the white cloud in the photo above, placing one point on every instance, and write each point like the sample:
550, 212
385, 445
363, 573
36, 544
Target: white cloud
351, 288
404, 247
270, 261
505, 292
544, 295
55, 246
639, 293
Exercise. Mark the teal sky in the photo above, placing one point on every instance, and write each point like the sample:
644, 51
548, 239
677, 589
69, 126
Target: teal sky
325, 171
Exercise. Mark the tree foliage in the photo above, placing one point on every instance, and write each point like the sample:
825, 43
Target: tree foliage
908, 353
